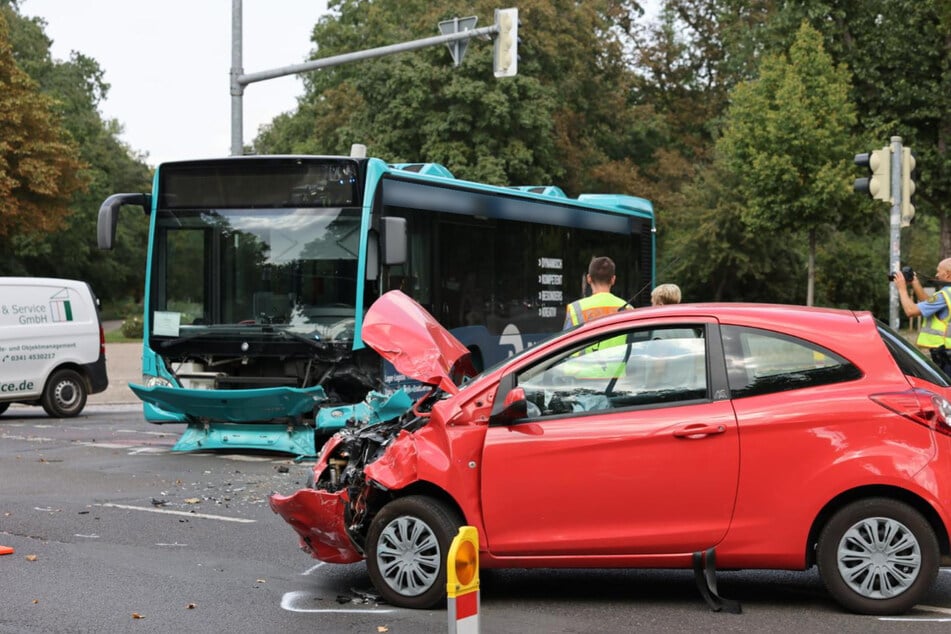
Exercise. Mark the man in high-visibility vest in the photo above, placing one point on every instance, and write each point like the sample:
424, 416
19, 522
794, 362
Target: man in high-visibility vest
602, 301
935, 312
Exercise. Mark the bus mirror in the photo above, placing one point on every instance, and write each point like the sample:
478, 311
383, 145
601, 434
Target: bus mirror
394, 240
109, 215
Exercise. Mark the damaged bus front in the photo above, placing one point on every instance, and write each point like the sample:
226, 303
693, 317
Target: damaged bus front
256, 288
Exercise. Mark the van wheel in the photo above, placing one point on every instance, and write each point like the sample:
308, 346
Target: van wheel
3, 407
878, 556
65, 394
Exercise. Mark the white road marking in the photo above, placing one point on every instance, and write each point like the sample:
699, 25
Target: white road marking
312, 569
922, 619
26, 438
289, 598
127, 507
135, 451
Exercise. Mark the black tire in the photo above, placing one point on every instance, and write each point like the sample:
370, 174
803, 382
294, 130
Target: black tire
3, 407
420, 583
65, 394
860, 566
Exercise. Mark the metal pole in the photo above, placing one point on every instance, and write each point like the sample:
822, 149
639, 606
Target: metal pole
381, 51
237, 88
239, 80
895, 229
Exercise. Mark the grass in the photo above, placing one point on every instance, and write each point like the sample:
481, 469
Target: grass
116, 336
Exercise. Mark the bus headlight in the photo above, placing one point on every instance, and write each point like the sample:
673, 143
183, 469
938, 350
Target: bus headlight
155, 381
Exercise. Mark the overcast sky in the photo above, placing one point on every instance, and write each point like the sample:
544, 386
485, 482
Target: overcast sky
168, 63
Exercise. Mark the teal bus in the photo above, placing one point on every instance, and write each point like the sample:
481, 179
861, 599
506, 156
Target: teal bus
260, 269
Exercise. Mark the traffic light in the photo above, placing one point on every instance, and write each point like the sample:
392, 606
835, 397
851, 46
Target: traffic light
878, 185
505, 58
907, 186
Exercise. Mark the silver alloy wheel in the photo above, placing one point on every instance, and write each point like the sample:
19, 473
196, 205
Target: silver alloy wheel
408, 555
879, 557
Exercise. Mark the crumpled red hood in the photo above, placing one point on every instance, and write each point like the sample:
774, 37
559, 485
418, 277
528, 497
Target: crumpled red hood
407, 336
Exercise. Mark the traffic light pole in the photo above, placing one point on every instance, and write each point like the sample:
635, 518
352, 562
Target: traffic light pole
239, 79
891, 180
894, 261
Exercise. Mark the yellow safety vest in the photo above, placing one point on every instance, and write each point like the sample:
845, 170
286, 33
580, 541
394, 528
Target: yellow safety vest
934, 331
588, 308
582, 311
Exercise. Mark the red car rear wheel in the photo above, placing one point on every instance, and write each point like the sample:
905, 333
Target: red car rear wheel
878, 556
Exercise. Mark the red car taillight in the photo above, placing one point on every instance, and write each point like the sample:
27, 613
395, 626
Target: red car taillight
919, 406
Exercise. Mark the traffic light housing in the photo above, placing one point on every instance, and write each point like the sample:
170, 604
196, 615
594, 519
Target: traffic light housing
505, 55
878, 183
907, 186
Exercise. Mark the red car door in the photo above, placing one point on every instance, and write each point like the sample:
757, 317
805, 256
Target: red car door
624, 477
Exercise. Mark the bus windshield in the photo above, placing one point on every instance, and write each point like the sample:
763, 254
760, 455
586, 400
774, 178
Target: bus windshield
290, 267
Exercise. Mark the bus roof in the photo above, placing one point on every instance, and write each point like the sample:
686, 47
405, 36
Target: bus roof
435, 173
620, 203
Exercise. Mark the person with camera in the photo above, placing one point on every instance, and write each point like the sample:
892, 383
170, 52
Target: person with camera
935, 311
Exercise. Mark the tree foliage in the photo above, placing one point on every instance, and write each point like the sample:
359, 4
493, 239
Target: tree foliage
39, 161
565, 118
783, 135
738, 121
71, 91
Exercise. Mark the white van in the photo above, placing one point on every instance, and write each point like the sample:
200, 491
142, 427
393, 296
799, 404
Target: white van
52, 347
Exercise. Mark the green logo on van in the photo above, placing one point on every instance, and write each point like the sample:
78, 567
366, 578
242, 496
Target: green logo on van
60, 307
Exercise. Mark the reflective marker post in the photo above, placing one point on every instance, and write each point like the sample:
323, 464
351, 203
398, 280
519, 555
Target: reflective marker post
462, 582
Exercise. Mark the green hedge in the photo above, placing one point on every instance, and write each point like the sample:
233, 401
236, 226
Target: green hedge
132, 327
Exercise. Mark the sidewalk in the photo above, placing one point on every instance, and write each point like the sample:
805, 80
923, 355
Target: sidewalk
124, 366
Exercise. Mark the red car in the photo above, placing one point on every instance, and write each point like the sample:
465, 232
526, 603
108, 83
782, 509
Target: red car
752, 436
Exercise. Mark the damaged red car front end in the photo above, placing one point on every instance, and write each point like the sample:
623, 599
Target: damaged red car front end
360, 464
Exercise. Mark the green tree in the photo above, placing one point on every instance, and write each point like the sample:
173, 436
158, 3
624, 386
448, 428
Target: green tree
39, 162
784, 135
565, 119
74, 89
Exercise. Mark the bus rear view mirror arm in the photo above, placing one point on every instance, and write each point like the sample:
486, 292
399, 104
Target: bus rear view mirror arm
109, 215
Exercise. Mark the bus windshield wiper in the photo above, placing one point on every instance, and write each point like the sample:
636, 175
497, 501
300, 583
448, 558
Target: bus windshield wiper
312, 339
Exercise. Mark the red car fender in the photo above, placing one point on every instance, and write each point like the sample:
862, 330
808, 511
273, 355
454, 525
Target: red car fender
397, 467
758, 533
428, 455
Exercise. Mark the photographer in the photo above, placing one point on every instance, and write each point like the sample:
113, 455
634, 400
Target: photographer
935, 311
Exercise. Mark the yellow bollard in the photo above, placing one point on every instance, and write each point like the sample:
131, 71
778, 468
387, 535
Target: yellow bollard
462, 582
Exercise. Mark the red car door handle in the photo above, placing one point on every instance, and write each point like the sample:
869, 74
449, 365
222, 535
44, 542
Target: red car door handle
699, 431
